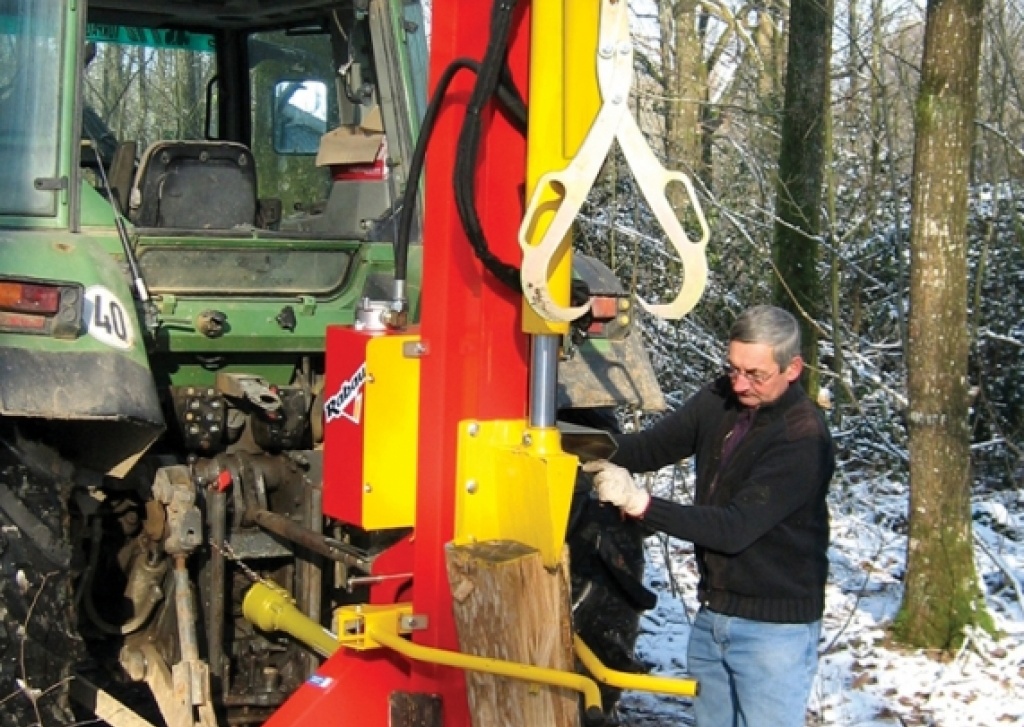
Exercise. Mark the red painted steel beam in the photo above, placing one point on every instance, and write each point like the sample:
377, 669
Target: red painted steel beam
476, 361
475, 367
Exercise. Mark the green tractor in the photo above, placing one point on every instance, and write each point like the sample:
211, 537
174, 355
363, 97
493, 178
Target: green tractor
191, 193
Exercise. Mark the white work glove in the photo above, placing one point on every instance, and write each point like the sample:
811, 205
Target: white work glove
615, 484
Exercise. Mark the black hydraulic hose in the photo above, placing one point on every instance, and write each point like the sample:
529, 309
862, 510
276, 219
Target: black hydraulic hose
419, 155
468, 146
509, 99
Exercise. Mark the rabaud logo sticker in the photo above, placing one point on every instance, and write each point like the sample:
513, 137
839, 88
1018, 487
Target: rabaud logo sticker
107, 319
348, 402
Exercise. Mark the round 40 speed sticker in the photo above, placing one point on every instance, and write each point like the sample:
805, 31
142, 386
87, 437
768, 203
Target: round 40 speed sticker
107, 319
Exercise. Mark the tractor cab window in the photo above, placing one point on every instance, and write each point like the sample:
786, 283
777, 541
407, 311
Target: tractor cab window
30, 61
145, 85
143, 91
318, 126
293, 104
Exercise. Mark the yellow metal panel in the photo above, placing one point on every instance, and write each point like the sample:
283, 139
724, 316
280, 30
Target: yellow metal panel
545, 150
390, 437
582, 97
513, 483
564, 101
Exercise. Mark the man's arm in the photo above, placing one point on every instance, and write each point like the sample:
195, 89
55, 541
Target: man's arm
670, 439
791, 476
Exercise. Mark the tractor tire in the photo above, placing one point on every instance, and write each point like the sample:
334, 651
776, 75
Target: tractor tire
38, 640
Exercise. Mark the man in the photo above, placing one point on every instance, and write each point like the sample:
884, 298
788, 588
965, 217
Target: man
764, 459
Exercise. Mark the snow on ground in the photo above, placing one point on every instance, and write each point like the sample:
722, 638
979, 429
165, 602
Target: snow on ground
863, 679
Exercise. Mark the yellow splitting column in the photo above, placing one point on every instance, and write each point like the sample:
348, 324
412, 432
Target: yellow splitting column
564, 100
514, 481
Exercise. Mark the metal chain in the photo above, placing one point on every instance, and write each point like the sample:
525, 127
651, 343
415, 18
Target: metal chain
225, 549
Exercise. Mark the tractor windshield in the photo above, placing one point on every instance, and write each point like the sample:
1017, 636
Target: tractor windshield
30, 89
145, 85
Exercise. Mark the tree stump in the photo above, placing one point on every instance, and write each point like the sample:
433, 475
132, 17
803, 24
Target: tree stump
509, 606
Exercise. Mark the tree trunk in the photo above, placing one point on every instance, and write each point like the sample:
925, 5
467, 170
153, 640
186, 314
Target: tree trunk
941, 594
766, 38
687, 91
801, 161
142, 122
509, 606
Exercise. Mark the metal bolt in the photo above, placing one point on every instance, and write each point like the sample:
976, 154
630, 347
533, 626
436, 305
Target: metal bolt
413, 622
473, 429
367, 488
527, 439
271, 678
471, 486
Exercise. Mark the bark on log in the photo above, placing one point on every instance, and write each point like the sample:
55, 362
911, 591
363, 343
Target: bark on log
509, 606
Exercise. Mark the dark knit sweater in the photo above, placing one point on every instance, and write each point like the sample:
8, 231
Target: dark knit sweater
760, 523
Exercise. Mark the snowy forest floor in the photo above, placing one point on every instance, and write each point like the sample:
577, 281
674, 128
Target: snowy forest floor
864, 680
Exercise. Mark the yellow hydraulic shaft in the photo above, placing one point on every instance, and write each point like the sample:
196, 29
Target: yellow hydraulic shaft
638, 682
271, 608
525, 672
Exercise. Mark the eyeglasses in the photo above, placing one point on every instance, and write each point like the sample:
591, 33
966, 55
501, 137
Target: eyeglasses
756, 378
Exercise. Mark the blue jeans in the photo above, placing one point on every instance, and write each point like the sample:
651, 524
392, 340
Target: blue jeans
751, 673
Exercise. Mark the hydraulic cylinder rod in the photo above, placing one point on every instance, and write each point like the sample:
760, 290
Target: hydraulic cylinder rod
311, 540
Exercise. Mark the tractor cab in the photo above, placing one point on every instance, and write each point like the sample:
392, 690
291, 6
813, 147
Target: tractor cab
274, 127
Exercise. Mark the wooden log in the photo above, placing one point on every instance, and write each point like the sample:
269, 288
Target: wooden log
509, 606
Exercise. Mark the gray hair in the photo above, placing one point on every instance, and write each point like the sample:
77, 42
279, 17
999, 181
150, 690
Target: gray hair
772, 326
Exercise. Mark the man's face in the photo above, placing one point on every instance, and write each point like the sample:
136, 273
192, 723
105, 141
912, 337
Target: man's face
756, 377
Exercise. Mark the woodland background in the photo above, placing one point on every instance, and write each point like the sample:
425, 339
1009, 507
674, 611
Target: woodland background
838, 249
712, 94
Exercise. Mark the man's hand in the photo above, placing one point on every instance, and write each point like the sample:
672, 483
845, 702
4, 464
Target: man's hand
615, 484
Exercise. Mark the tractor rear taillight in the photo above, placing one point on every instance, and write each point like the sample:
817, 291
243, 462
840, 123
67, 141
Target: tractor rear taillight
611, 316
43, 308
22, 322
604, 307
27, 298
